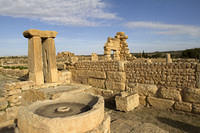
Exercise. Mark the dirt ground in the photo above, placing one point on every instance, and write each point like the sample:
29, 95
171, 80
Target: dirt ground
140, 120
149, 120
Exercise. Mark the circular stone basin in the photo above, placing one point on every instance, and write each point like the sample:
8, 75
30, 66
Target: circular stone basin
72, 112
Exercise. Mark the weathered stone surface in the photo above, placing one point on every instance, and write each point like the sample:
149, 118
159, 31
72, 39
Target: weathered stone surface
96, 74
13, 98
118, 45
142, 100
198, 79
127, 102
170, 93
116, 76
143, 89
35, 64
96, 82
104, 127
183, 106
49, 60
44, 34
94, 57
11, 113
61, 66
3, 103
26, 85
160, 103
31, 96
196, 108
13, 92
64, 76
3, 117
121, 65
191, 95
118, 86
198, 67
168, 58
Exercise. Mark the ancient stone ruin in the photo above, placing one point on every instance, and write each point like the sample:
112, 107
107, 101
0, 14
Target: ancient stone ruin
119, 47
70, 99
41, 56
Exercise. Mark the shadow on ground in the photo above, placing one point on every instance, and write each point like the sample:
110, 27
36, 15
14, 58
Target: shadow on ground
180, 125
7, 130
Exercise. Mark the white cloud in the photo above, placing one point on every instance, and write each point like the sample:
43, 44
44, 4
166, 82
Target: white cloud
65, 12
168, 29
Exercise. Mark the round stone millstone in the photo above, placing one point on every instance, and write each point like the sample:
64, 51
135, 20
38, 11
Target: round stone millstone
88, 113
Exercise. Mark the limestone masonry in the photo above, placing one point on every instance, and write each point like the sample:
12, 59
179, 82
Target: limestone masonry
131, 82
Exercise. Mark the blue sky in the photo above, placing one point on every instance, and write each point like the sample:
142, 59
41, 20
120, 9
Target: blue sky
84, 25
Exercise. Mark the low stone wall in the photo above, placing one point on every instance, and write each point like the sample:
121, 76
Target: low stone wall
24, 93
14, 72
163, 86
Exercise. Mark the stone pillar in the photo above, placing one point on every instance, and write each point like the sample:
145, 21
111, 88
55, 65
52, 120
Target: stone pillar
49, 60
94, 57
107, 54
116, 56
168, 58
35, 64
41, 56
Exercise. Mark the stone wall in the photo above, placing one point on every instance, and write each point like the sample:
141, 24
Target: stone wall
14, 72
161, 85
177, 75
24, 93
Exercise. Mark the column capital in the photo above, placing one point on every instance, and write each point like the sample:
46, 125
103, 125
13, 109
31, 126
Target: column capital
43, 34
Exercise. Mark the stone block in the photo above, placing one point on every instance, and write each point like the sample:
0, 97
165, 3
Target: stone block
198, 79
142, 100
198, 67
170, 93
121, 65
3, 104
26, 85
191, 95
196, 108
11, 113
13, 98
116, 76
127, 102
61, 66
64, 76
96, 82
3, 117
118, 86
96, 74
160, 103
183, 106
13, 92
143, 89
31, 96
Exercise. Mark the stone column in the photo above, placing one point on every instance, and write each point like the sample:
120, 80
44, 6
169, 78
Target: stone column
168, 58
41, 56
49, 60
35, 64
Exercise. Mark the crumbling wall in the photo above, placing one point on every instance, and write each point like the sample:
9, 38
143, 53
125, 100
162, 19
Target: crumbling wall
161, 85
